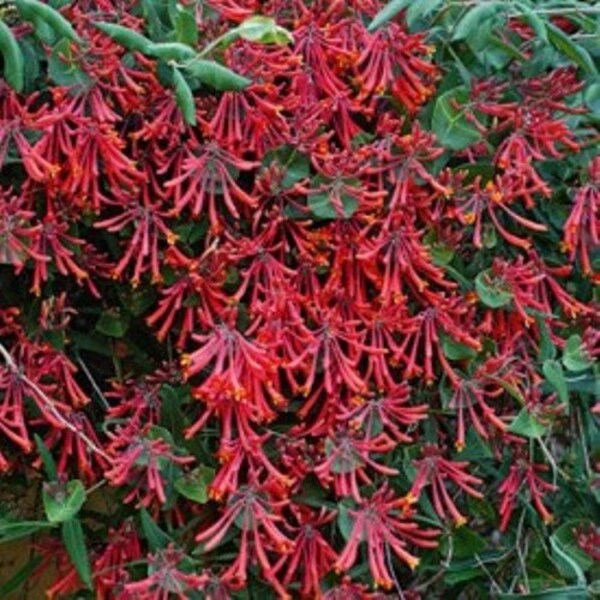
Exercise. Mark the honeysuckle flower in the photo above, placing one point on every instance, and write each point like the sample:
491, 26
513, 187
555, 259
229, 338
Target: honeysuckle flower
312, 554
473, 203
525, 474
384, 527
205, 172
347, 457
386, 409
55, 241
138, 461
197, 293
251, 509
582, 228
165, 579
18, 230
98, 150
124, 547
436, 471
394, 59
472, 399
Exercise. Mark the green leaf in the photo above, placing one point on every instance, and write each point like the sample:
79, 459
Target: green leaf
47, 460
591, 97
532, 19
476, 449
321, 205
553, 373
194, 485
62, 502
14, 65
185, 25
586, 384
172, 416
10, 531
171, 51
130, 39
490, 291
74, 541
526, 425
113, 323
449, 122
216, 75
420, 10
34, 11
154, 535
63, 68
322, 208
565, 540
263, 30
547, 348
295, 165
465, 543
565, 561
388, 12
456, 350
21, 576
479, 18
344, 521
574, 357
184, 97
565, 45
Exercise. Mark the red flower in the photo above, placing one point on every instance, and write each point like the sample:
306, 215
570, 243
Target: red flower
387, 410
392, 59
524, 474
588, 539
253, 512
311, 555
435, 470
582, 228
166, 580
347, 455
138, 463
380, 524
205, 172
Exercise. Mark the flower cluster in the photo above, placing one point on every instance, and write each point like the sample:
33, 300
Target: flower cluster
301, 329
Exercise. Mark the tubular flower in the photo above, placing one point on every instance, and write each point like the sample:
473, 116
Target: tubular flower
18, 231
143, 247
98, 151
401, 262
386, 409
139, 461
434, 470
197, 293
524, 474
380, 524
124, 547
431, 323
252, 511
393, 59
493, 198
312, 554
582, 228
167, 580
471, 399
206, 172
245, 363
347, 455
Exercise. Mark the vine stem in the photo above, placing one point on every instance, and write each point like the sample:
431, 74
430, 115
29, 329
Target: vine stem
10, 363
